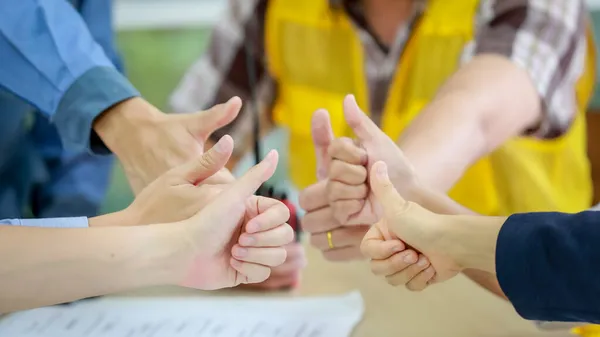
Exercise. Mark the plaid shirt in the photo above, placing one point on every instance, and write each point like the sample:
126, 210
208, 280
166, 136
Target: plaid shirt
545, 37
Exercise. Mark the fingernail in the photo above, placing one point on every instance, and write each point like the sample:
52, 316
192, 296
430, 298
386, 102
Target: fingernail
253, 227
409, 258
240, 252
221, 146
382, 171
422, 261
247, 240
352, 98
398, 248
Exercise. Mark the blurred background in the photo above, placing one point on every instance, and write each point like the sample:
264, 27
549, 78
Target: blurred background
159, 39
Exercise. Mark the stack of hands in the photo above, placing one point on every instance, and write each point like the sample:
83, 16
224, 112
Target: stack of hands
356, 208
252, 244
232, 237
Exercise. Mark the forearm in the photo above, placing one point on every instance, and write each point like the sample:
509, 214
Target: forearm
482, 105
43, 266
442, 204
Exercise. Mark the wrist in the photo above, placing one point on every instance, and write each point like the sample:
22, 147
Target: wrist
472, 241
166, 253
120, 218
119, 124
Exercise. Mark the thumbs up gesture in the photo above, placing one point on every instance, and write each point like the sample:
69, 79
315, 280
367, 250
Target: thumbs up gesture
353, 203
429, 233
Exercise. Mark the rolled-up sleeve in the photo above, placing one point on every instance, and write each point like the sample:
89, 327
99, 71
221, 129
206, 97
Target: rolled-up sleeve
50, 59
77, 222
548, 40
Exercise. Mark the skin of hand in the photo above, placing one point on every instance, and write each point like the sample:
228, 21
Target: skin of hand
319, 217
148, 142
238, 237
451, 242
353, 203
180, 193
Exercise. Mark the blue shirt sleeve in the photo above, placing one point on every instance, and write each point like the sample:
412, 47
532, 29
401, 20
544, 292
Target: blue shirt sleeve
50, 59
79, 222
548, 265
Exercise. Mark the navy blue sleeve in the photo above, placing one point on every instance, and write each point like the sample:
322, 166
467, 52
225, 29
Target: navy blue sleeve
548, 265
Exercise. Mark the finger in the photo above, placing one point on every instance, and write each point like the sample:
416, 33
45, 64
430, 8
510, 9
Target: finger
249, 183
276, 282
322, 135
266, 214
314, 196
276, 237
295, 251
347, 173
250, 272
375, 246
403, 277
290, 266
341, 237
340, 191
208, 164
385, 192
202, 124
421, 281
321, 220
343, 210
395, 263
345, 149
364, 128
266, 256
343, 254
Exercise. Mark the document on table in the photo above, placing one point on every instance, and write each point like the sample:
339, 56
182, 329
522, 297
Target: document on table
334, 316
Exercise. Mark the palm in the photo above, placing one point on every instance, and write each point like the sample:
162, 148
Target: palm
210, 267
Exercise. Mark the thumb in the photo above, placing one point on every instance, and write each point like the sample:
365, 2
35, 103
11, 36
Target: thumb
385, 192
322, 135
204, 123
364, 128
199, 169
249, 183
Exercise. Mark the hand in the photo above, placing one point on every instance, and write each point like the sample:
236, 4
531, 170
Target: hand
238, 237
288, 273
347, 189
174, 196
149, 143
319, 219
426, 232
380, 147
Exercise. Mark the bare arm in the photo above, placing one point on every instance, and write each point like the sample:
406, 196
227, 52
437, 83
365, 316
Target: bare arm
470, 117
442, 204
45, 266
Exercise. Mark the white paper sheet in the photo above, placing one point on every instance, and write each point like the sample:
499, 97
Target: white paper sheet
334, 316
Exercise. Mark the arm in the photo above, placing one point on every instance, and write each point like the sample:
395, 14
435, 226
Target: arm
77, 181
442, 204
223, 72
507, 89
45, 266
547, 265
53, 63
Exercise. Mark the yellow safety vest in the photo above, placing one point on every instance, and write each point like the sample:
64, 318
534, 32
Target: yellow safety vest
317, 58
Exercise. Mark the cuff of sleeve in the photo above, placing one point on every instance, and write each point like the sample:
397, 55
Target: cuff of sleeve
94, 92
76, 222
